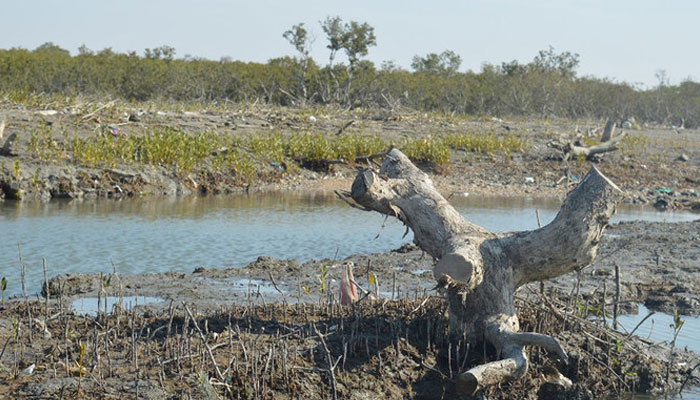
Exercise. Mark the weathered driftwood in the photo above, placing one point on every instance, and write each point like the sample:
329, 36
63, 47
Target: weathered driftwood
604, 147
608, 142
479, 270
575, 149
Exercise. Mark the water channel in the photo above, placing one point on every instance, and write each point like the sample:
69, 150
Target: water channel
180, 234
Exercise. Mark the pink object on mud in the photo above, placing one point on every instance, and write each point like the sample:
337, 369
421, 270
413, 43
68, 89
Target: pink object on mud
348, 292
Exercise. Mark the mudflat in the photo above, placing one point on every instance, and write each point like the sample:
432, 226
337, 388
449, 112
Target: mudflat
274, 329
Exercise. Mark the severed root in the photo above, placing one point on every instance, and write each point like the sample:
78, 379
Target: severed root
514, 363
512, 367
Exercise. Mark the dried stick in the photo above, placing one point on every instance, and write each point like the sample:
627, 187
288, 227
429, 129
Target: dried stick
616, 305
329, 357
629, 335
204, 340
274, 283
48, 293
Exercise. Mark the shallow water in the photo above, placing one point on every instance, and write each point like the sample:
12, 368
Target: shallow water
180, 234
658, 328
88, 305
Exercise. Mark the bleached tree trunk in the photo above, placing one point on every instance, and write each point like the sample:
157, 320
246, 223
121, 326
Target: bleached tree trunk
588, 152
480, 270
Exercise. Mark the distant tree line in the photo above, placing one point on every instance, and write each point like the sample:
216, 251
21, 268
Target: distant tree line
548, 86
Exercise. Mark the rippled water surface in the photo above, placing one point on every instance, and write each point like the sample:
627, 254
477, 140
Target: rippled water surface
180, 234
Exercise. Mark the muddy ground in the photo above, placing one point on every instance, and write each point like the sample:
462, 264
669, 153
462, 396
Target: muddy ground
377, 349
269, 339
393, 349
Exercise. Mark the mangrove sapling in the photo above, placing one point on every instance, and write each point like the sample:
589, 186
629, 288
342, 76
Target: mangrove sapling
322, 279
676, 326
81, 348
3, 287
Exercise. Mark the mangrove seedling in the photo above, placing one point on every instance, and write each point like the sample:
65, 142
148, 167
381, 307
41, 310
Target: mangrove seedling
81, 347
322, 278
676, 326
3, 287
15, 169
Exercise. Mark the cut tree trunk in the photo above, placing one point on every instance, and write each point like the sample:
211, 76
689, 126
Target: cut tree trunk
478, 270
608, 132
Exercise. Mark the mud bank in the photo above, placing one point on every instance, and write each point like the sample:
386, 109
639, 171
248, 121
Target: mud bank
275, 330
389, 349
654, 166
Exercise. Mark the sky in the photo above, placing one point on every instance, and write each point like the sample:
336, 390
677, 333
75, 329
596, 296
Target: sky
622, 40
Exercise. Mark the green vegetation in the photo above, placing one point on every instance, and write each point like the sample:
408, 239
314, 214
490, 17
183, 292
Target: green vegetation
634, 145
444, 64
427, 150
486, 144
16, 172
546, 87
322, 277
250, 155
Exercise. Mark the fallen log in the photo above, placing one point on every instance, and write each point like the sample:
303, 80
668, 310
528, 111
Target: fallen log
479, 271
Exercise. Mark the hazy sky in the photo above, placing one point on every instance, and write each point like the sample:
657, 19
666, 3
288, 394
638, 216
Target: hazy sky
625, 40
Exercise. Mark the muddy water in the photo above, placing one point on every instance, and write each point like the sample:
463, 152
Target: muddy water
180, 234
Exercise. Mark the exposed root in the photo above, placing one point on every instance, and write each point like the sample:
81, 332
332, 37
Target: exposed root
514, 363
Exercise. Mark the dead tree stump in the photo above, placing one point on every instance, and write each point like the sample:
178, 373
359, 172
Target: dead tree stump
609, 142
479, 270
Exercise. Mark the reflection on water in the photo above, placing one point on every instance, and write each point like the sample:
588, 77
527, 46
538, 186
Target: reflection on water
179, 234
